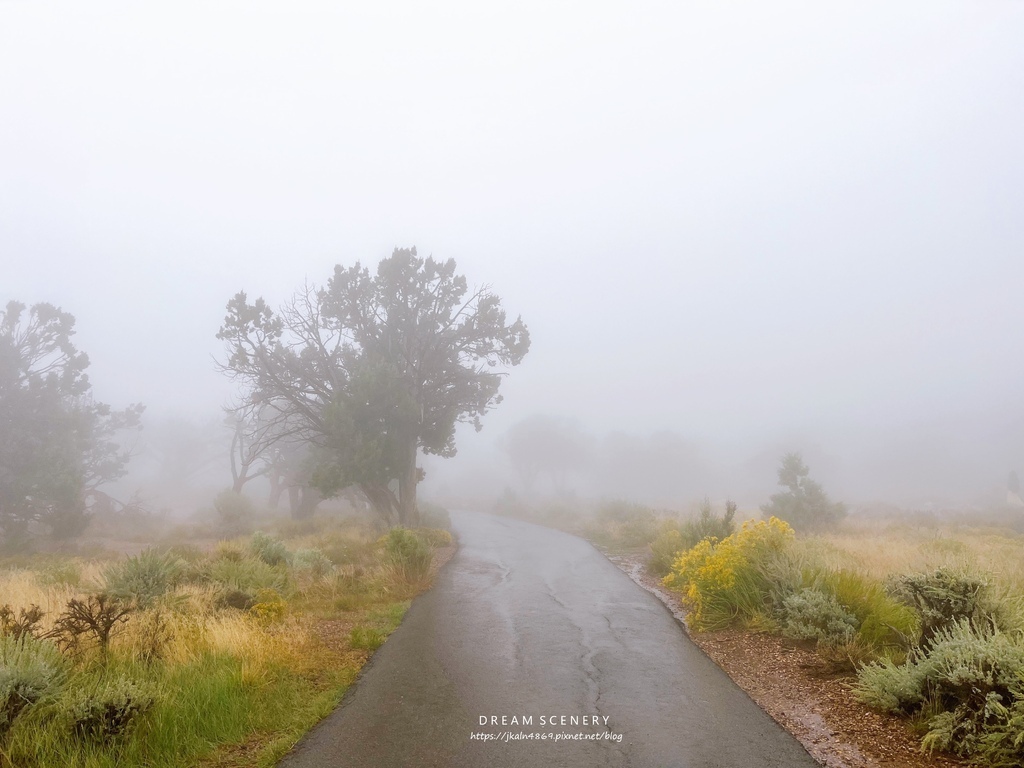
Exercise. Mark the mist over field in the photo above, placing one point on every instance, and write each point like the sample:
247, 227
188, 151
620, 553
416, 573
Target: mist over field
734, 230
661, 361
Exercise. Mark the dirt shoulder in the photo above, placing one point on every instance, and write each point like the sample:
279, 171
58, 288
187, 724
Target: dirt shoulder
792, 684
441, 557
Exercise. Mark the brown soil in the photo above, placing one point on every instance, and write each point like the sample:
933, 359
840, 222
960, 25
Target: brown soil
798, 689
441, 556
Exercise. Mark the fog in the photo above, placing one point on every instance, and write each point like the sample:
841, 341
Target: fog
734, 229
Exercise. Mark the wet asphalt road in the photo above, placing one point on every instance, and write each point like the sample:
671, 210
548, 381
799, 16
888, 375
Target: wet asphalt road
530, 622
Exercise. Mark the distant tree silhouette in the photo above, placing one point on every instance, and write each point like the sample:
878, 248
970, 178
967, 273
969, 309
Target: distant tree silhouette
804, 504
57, 444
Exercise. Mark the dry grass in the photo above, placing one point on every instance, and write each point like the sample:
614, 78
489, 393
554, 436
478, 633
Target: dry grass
899, 549
22, 587
881, 550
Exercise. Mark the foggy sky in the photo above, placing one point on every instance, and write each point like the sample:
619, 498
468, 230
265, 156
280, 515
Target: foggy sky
748, 223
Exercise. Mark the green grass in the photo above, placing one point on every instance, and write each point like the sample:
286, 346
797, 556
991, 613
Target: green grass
377, 625
883, 623
390, 616
204, 707
366, 638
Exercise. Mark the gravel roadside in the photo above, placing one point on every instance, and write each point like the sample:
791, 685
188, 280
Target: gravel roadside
793, 685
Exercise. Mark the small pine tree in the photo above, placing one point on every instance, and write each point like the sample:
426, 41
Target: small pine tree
804, 504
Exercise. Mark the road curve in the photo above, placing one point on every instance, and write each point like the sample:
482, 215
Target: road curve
528, 622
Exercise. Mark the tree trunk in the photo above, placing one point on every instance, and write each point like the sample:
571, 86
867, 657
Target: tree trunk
276, 490
408, 514
303, 501
383, 502
236, 481
309, 498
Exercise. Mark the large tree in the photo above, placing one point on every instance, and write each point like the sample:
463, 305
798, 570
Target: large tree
372, 368
58, 445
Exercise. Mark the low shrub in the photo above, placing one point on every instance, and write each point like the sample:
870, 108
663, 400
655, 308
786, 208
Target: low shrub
269, 607
408, 554
435, 537
24, 621
891, 687
1001, 744
247, 575
269, 549
31, 670
943, 598
366, 638
109, 708
311, 563
968, 683
664, 550
814, 615
787, 571
96, 617
708, 525
143, 578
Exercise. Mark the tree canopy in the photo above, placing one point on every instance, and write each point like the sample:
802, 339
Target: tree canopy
58, 443
370, 369
804, 504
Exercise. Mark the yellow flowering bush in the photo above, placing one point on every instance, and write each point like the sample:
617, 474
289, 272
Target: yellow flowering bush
723, 580
270, 607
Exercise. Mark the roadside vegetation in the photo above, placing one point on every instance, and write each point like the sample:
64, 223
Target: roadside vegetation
221, 639
923, 617
184, 656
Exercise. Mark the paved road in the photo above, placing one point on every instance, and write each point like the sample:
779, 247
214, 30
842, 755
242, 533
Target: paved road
533, 623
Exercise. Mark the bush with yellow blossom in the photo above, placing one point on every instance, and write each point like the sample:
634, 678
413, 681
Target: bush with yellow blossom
724, 580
